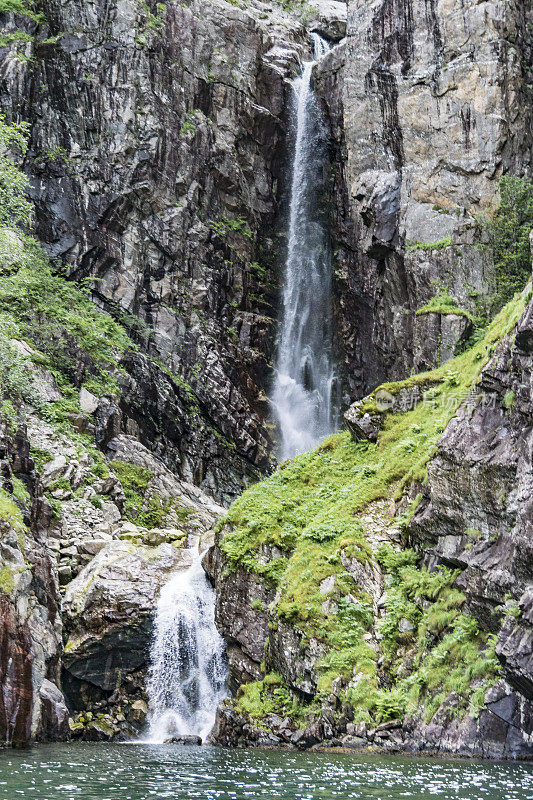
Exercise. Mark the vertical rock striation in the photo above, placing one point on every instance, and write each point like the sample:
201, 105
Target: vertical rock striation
154, 164
31, 703
430, 103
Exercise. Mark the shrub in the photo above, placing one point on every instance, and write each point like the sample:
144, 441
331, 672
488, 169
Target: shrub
508, 230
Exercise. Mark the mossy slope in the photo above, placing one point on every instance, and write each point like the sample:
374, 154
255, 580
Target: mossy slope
312, 515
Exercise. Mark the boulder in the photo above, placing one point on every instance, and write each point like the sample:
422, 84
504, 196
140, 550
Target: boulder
109, 609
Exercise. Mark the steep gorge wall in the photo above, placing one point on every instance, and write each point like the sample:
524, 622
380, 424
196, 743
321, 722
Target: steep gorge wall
154, 162
429, 103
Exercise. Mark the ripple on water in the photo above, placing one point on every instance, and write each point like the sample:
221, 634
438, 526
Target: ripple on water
142, 772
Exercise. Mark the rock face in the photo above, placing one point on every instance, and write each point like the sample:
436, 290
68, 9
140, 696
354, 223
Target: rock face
424, 105
154, 169
477, 514
108, 609
31, 703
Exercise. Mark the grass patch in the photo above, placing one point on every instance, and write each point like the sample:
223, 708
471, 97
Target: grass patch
11, 513
440, 245
443, 303
269, 696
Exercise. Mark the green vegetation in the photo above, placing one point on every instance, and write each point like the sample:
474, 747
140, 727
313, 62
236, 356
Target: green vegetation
443, 303
508, 231
189, 125
269, 696
11, 513
509, 398
22, 8
134, 480
143, 509
39, 305
447, 242
312, 509
448, 650
225, 226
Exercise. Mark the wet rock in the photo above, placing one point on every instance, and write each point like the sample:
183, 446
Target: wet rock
54, 719
109, 608
183, 740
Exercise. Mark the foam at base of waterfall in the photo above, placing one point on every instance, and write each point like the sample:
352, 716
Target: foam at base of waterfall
296, 411
187, 677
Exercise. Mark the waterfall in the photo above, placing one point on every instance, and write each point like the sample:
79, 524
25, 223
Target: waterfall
187, 678
305, 394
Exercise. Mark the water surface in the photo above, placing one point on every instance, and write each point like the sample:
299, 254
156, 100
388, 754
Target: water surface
141, 772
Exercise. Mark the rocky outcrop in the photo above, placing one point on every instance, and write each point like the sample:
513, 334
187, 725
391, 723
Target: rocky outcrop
31, 702
108, 609
241, 618
476, 513
423, 102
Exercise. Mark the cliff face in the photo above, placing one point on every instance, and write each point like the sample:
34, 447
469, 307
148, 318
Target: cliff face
361, 604
476, 511
31, 705
430, 103
154, 161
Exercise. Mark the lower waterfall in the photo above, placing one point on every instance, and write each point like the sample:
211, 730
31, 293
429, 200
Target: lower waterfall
187, 677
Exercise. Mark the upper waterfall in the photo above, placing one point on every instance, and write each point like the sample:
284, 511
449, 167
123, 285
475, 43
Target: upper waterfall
187, 678
305, 393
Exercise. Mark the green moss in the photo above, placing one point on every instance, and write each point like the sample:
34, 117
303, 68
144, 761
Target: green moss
134, 480
310, 510
440, 245
443, 303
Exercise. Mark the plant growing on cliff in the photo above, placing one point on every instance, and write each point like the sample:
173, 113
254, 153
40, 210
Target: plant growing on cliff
36, 301
443, 303
508, 231
15, 208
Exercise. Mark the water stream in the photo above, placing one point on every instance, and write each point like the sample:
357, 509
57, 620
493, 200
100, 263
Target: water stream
187, 678
305, 393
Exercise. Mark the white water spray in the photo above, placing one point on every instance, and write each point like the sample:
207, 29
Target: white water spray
187, 678
305, 394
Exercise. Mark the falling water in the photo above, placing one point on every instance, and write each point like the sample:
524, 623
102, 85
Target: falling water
305, 391
187, 677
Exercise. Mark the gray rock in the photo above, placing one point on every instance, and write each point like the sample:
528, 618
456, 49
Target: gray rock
88, 401
53, 469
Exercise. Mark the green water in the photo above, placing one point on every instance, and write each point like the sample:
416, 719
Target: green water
141, 772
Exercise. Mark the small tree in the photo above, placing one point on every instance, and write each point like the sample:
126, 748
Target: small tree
15, 208
509, 230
